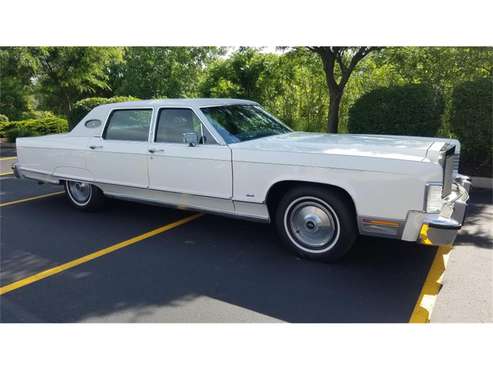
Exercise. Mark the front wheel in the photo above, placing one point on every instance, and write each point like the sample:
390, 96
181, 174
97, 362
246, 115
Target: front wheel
84, 196
316, 222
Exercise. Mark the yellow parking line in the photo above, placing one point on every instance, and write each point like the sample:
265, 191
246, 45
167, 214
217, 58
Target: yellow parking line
431, 287
79, 261
6, 173
29, 199
7, 158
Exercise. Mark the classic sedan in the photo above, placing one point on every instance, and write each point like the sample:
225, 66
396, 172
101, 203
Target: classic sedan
231, 157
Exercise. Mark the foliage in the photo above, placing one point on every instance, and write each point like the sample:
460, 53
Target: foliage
16, 71
37, 114
398, 110
472, 123
338, 65
33, 127
289, 85
4, 118
440, 67
161, 72
84, 106
15, 132
68, 74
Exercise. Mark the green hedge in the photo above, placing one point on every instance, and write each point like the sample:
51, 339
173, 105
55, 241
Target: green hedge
398, 110
472, 123
33, 127
4, 118
84, 106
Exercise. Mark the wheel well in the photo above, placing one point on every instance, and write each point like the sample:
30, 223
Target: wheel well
277, 190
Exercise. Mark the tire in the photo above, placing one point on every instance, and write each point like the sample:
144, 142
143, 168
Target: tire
84, 196
316, 222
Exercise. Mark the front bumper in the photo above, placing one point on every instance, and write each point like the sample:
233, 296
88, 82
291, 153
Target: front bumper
442, 229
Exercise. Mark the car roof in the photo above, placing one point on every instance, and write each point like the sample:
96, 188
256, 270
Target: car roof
196, 103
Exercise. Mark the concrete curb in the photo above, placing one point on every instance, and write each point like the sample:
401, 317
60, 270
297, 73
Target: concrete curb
482, 182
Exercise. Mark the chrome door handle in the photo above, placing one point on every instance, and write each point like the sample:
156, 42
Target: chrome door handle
152, 150
95, 146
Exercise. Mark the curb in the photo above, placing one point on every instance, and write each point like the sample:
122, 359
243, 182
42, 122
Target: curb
482, 182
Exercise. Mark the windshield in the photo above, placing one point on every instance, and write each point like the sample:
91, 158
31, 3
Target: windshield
236, 123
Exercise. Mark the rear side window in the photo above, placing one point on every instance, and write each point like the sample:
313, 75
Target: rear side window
128, 124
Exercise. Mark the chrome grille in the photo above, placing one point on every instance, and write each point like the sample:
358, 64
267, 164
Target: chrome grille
448, 168
456, 159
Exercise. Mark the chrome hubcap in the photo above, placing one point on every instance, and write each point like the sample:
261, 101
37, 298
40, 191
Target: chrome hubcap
312, 224
80, 191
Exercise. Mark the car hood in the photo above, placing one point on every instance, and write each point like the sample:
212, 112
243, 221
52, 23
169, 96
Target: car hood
376, 146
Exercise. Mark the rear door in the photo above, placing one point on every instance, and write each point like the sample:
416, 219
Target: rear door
120, 156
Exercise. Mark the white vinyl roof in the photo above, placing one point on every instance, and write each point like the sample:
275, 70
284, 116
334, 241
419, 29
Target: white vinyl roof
196, 103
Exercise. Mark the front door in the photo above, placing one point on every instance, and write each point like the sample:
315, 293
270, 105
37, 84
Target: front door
203, 169
121, 156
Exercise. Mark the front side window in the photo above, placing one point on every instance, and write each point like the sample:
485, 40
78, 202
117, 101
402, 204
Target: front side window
173, 123
236, 123
128, 124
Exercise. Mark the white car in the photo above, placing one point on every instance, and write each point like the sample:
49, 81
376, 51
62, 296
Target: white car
231, 157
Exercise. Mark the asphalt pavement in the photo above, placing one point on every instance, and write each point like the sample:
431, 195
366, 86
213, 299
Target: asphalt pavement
208, 269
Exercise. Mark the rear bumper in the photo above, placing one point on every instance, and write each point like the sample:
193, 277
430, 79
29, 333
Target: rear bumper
440, 228
15, 171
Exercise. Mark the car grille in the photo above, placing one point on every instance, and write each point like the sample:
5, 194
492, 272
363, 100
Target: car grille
456, 159
449, 164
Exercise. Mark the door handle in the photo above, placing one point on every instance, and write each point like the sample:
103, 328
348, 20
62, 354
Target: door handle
95, 146
152, 150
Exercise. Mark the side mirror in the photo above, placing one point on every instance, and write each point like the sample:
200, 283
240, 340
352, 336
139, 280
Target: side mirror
191, 138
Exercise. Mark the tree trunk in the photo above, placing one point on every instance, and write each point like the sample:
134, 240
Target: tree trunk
335, 102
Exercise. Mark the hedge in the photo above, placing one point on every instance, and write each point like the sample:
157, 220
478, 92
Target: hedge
84, 106
3, 118
33, 127
471, 122
398, 110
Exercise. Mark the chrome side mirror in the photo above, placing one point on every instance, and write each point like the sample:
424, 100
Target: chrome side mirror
191, 138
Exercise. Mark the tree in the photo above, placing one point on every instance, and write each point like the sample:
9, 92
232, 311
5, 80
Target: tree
68, 74
441, 67
161, 72
338, 61
16, 73
242, 75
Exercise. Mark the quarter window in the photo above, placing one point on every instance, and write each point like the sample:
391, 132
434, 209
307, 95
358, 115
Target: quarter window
128, 124
92, 123
172, 123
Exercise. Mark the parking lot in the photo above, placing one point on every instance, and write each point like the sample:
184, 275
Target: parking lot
141, 263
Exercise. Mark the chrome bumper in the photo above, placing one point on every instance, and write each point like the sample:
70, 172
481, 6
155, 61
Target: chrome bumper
15, 171
442, 228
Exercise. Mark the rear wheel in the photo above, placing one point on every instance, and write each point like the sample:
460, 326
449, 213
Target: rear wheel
84, 196
316, 222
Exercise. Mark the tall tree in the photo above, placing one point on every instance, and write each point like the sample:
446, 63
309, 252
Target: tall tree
338, 63
68, 74
242, 75
161, 72
16, 73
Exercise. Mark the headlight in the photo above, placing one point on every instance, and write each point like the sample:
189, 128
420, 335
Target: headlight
433, 202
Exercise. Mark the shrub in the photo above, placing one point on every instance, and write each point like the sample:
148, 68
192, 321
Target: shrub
398, 110
471, 122
32, 127
21, 131
3, 118
84, 106
37, 114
